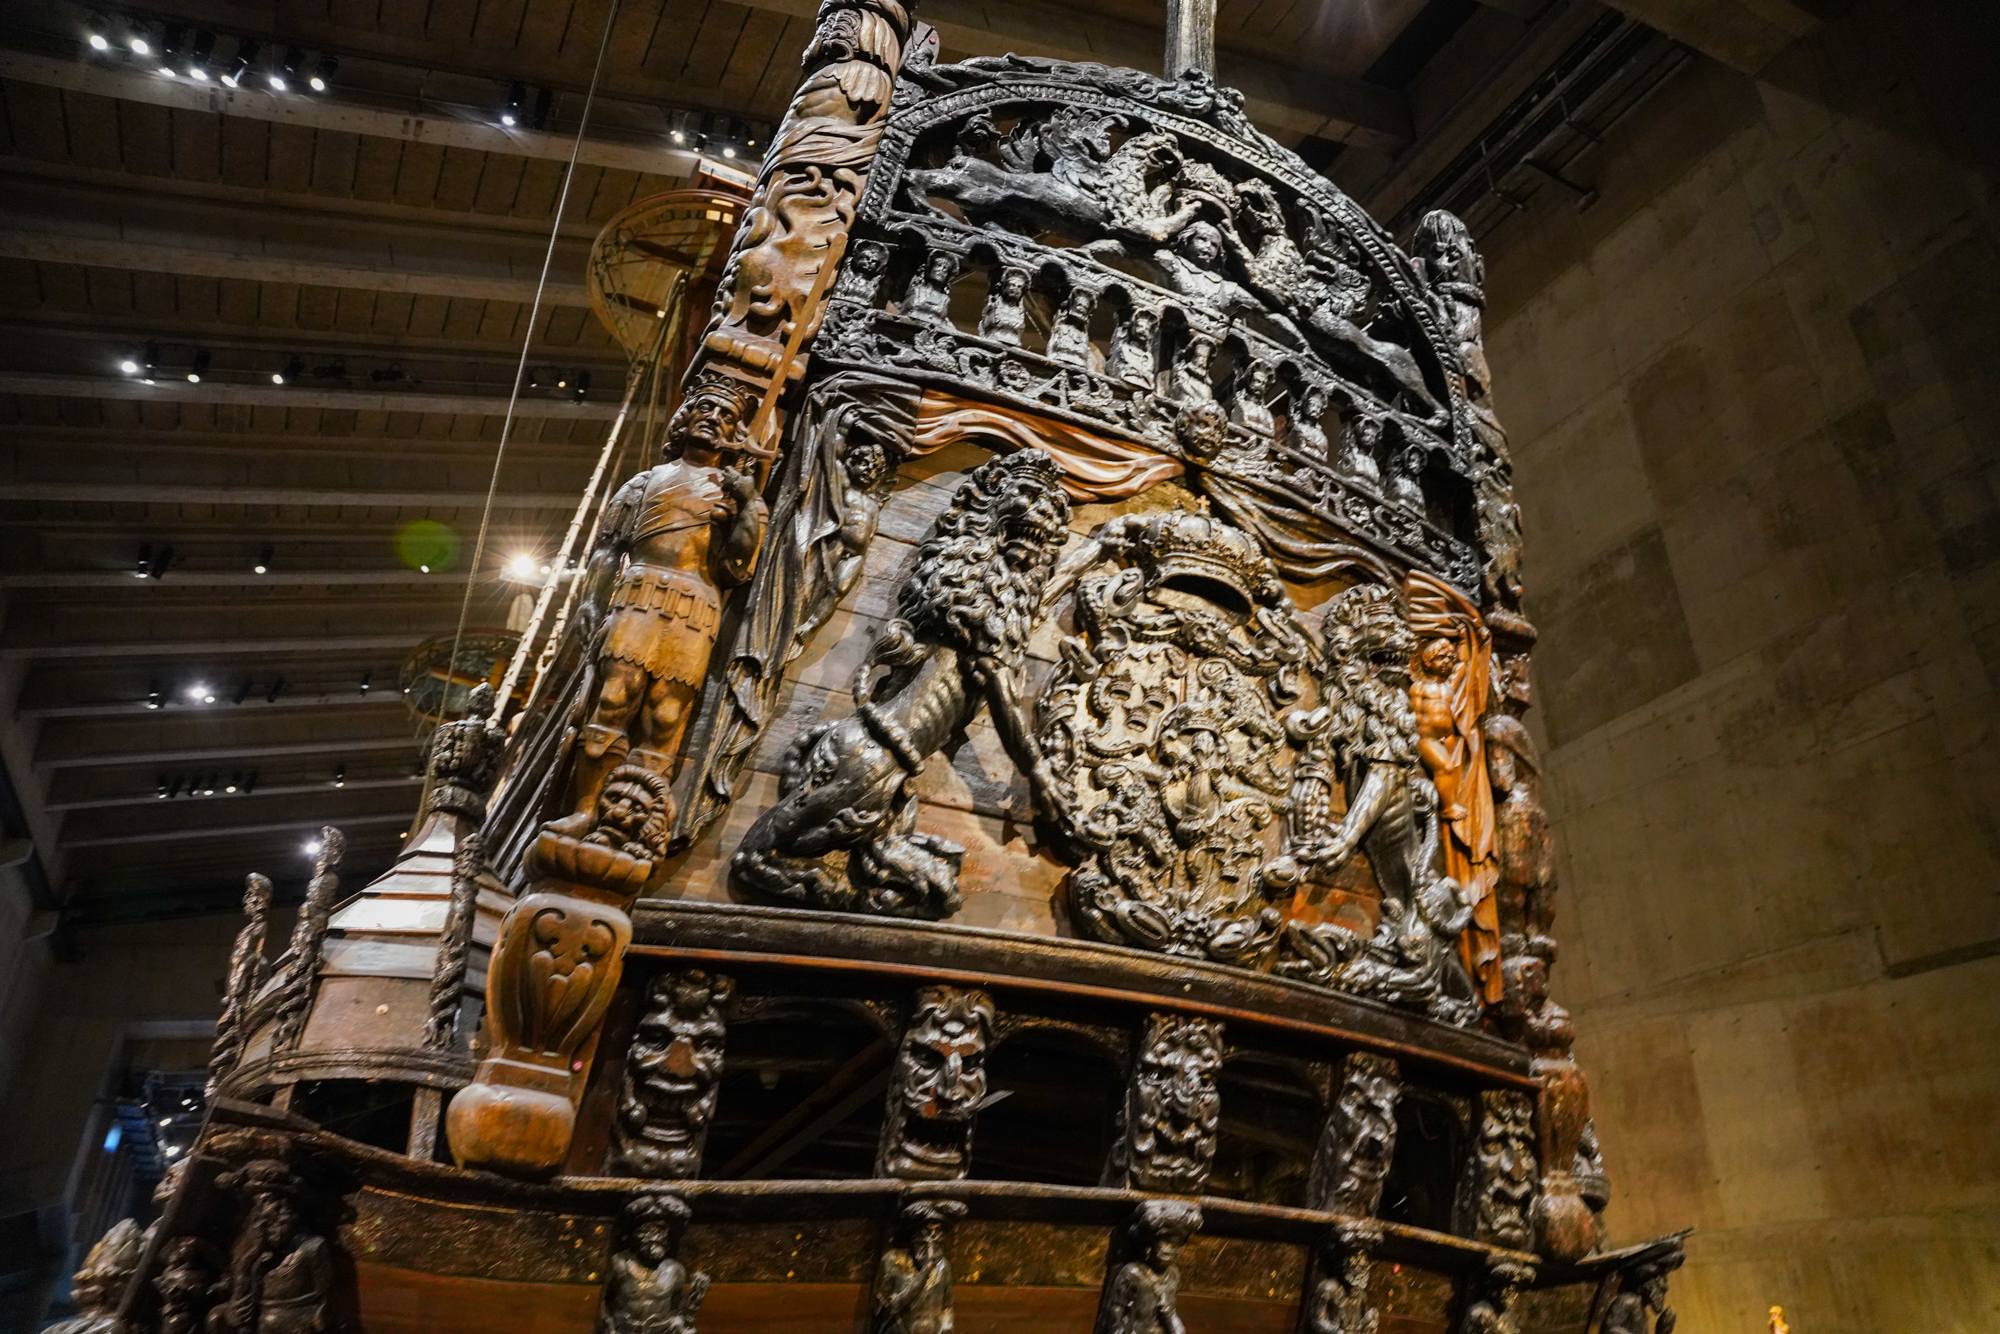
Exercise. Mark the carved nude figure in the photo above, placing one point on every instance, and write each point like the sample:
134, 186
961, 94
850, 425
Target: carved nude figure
672, 539
1143, 1296
650, 1291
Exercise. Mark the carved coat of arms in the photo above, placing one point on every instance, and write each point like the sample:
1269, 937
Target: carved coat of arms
1167, 714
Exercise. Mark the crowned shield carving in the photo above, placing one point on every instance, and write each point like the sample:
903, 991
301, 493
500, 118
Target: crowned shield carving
1167, 714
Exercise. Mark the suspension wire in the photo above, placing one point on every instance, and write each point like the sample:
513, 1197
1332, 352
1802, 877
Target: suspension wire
527, 342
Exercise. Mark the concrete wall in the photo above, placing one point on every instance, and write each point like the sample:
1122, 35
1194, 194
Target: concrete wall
1752, 401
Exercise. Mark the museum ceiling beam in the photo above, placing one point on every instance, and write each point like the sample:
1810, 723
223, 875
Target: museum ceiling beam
211, 648
152, 799
139, 709
305, 824
65, 758
657, 158
189, 261
147, 493
289, 396
279, 577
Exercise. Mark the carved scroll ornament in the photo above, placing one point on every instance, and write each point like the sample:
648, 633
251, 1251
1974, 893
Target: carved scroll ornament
554, 968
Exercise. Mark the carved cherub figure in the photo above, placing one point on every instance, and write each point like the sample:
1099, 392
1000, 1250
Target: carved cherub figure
650, 1291
862, 467
913, 1280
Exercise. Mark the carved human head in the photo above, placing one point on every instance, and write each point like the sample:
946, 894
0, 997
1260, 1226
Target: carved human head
864, 461
1201, 430
943, 1058
870, 257
1077, 305
941, 268
1143, 321
1164, 1227
713, 420
925, 1223
1201, 245
1437, 659
633, 813
653, 1221
1013, 283
1445, 245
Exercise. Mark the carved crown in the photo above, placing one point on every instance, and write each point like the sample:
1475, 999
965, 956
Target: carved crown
1180, 545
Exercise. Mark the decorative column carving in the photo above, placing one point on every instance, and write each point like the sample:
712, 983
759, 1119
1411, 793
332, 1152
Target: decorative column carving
913, 1279
1172, 1107
1142, 1295
1339, 1302
937, 1086
773, 290
247, 969
308, 935
1490, 1305
1503, 1170
1358, 1140
553, 971
1566, 1227
280, 1271
673, 1074
649, 1290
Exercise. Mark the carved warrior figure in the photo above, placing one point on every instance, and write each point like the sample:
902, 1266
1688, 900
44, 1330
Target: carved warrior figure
1143, 1294
1172, 1108
554, 968
913, 1279
957, 643
1451, 670
99, 1285
672, 539
673, 1074
1163, 719
1366, 730
649, 1291
280, 1273
1637, 1300
1339, 1303
1491, 1310
1358, 1140
1503, 1170
937, 1085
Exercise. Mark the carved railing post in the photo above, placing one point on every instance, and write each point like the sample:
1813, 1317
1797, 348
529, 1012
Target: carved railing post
673, 1074
913, 1277
936, 1087
649, 1290
1503, 1170
552, 974
246, 974
1172, 1108
1358, 1139
308, 935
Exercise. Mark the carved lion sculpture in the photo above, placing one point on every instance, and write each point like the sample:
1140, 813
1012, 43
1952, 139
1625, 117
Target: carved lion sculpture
958, 643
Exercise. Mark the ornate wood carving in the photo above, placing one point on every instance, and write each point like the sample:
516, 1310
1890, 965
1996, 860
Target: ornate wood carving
673, 1075
1503, 1170
300, 964
1142, 1294
1358, 1139
1339, 1301
1489, 1307
957, 644
280, 1271
1172, 1107
247, 969
913, 1279
649, 1290
554, 968
937, 1086
1633, 1300
99, 1283
1566, 1226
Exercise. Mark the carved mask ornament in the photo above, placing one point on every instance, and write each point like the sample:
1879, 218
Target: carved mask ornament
1173, 1108
673, 1075
937, 1086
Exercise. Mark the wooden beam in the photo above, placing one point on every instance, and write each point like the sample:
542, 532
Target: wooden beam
279, 577
231, 754
146, 493
286, 396
411, 785
327, 113
138, 709
1745, 35
167, 648
96, 252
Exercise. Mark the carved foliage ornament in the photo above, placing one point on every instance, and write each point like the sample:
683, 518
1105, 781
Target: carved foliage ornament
673, 1075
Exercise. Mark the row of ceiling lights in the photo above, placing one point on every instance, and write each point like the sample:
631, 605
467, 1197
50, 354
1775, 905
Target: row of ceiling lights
149, 366
158, 696
155, 561
174, 52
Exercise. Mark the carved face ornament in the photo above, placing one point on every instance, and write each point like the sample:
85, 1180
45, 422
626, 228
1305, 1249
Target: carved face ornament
678, 1057
1177, 1096
710, 420
944, 1081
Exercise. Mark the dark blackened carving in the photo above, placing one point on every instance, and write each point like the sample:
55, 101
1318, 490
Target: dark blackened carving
673, 1074
1142, 1295
936, 1087
1172, 1107
913, 1279
1339, 1301
1358, 1141
1503, 1169
649, 1290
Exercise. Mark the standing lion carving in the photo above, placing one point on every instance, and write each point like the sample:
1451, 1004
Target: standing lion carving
958, 643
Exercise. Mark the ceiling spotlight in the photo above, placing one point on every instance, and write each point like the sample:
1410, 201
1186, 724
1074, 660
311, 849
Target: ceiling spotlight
164, 791
239, 64
367, 678
153, 564
198, 55
199, 368
198, 690
94, 34
340, 776
263, 565
312, 848
728, 151
582, 386
295, 369
155, 697
522, 566
129, 366
170, 48
322, 77
517, 96
138, 44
